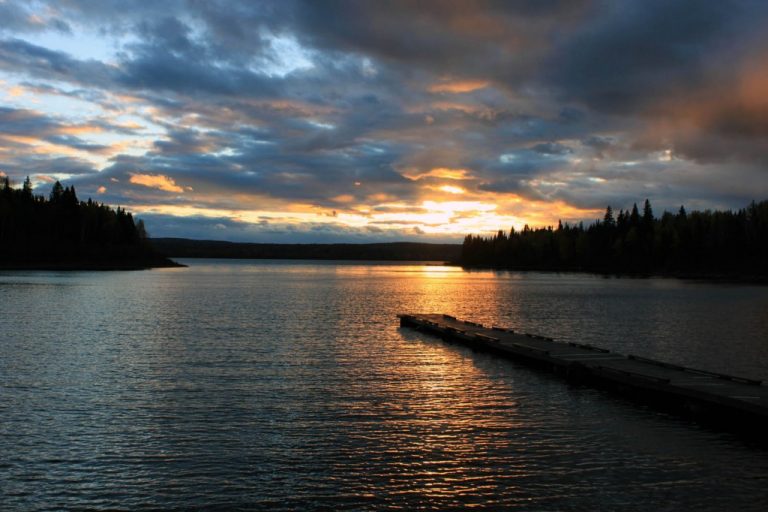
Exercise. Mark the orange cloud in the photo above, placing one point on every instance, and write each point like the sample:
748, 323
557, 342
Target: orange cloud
40, 147
452, 105
381, 197
459, 87
158, 181
16, 91
438, 172
19, 139
344, 198
82, 128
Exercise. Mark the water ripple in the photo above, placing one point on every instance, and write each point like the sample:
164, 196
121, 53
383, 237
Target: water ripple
236, 386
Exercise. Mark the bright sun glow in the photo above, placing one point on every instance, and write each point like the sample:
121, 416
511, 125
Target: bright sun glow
452, 189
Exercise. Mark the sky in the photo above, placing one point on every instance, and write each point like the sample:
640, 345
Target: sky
361, 121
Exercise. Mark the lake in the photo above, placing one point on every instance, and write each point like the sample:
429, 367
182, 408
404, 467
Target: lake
283, 385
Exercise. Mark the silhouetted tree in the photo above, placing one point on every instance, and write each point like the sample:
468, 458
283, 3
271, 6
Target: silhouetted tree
26, 188
699, 242
608, 218
56, 192
64, 229
647, 213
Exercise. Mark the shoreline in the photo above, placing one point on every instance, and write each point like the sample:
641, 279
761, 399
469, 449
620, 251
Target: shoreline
693, 276
169, 263
91, 265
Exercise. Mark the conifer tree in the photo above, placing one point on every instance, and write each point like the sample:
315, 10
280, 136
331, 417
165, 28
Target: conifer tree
26, 188
608, 218
56, 192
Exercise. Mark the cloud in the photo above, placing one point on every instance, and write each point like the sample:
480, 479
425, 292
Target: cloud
157, 181
459, 87
440, 172
43, 63
18, 17
628, 54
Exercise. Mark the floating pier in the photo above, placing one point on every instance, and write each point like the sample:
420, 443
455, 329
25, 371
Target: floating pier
736, 402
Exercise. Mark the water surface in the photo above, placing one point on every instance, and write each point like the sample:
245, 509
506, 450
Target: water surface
289, 385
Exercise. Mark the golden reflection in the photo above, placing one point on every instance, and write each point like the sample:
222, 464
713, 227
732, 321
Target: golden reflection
457, 407
447, 410
439, 271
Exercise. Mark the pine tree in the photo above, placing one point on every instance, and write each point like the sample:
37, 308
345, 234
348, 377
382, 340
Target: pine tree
26, 188
647, 213
56, 192
608, 219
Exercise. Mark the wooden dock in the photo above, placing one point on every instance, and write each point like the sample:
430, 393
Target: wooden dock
736, 402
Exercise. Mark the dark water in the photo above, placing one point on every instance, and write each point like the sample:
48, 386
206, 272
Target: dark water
290, 386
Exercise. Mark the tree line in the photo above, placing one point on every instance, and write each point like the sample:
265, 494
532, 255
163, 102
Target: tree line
61, 229
388, 251
634, 242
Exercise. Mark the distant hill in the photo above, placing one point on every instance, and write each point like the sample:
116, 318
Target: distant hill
396, 251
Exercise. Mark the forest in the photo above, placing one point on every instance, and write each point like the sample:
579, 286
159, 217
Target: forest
698, 243
60, 231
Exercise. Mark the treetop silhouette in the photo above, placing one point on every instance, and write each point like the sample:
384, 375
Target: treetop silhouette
699, 242
64, 231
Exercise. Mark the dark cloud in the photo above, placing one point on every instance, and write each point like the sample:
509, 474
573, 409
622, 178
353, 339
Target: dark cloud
30, 165
18, 18
76, 143
464, 38
628, 54
552, 148
24, 122
598, 143
152, 67
17, 55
